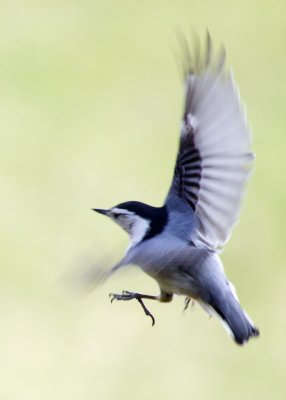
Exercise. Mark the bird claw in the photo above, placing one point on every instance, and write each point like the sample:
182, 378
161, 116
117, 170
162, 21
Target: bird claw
125, 296
187, 303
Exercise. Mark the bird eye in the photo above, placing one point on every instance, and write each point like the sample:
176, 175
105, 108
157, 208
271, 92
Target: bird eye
116, 216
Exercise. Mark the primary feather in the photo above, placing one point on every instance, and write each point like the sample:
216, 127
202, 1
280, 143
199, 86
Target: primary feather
215, 159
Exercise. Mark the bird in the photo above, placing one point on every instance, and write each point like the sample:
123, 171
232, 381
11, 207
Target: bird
179, 243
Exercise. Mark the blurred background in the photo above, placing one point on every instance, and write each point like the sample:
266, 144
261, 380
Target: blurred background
90, 107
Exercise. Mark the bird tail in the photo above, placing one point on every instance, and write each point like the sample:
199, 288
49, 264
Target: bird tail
233, 317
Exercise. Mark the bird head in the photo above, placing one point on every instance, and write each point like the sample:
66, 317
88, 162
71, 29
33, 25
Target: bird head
139, 220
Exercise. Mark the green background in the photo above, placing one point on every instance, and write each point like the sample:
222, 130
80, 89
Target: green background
90, 107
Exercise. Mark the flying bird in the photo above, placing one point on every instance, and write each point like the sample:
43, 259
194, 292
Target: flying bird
178, 244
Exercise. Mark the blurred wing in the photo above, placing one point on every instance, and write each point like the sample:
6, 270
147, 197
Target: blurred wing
214, 159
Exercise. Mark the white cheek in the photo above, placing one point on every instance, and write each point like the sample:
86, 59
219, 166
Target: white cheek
139, 229
126, 224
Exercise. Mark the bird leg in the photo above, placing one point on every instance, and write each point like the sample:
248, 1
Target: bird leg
125, 295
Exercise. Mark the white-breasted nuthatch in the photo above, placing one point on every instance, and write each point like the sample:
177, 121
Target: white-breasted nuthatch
178, 244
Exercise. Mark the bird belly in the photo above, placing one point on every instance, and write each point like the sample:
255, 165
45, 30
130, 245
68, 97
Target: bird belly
171, 280
178, 269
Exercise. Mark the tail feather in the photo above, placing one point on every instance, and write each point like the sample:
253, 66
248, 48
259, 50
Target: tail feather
234, 318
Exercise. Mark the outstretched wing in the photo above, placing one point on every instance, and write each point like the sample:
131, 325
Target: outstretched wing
214, 159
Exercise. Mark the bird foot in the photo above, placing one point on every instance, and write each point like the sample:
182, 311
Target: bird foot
125, 296
188, 300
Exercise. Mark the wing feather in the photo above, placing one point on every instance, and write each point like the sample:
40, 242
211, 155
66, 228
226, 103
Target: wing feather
215, 160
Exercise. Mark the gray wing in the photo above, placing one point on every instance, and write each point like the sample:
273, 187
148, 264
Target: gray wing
215, 158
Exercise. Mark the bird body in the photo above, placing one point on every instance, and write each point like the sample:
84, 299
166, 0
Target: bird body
178, 244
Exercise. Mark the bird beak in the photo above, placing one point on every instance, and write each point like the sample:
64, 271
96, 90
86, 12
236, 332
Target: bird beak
101, 211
